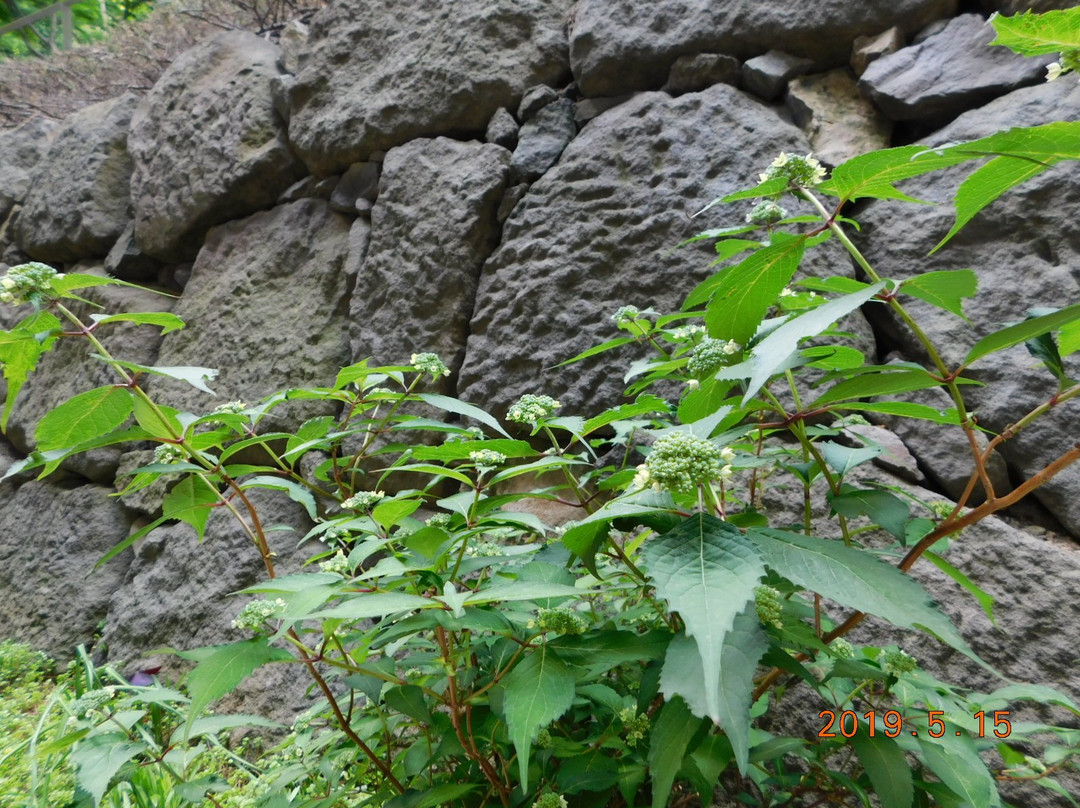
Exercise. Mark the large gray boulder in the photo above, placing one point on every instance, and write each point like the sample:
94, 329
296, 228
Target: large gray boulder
50, 538
622, 45
950, 72
423, 262
20, 150
379, 75
265, 306
79, 195
839, 122
207, 144
1015, 274
599, 230
179, 593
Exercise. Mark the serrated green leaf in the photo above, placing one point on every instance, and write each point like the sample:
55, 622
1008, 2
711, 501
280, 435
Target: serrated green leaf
448, 404
945, 289
985, 600
65, 283
957, 764
645, 405
390, 512
537, 691
776, 349
157, 419
611, 344
741, 650
213, 724
907, 409
874, 175
739, 296
984, 185
460, 450
296, 492
1069, 339
887, 768
885, 382
83, 417
97, 760
843, 459
593, 771
376, 604
1022, 332
221, 668
856, 579
1005, 696
606, 649
706, 570
409, 700
671, 734
1031, 34
20, 350
166, 321
883, 508
189, 501
197, 377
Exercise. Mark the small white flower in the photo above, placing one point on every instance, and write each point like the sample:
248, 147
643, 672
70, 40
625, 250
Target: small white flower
1054, 71
363, 500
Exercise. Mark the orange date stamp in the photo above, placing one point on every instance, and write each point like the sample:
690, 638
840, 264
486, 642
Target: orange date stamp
847, 724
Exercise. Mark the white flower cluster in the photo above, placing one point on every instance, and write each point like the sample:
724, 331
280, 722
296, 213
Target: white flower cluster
439, 520
530, 408
842, 649
800, 172
1069, 61
471, 433
487, 457
337, 564
429, 363
483, 549
626, 314
363, 500
710, 355
680, 461
168, 453
550, 800
561, 621
27, 283
896, 662
765, 213
685, 332
255, 613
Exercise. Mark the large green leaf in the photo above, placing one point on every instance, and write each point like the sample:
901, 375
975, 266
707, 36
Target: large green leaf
843, 459
776, 349
606, 649
1031, 34
706, 570
20, 350
740, 296
538, 690
740, 653
886, 767
957, 764
190, 501
671, 735
1019, 154
221, 668
592, 771
1022, 332
882, 507
881, 382
460, 450
875, 174
162, 319
856, 579
296, 492
944, 289
97, 760
986, 184
83, 417
457, 407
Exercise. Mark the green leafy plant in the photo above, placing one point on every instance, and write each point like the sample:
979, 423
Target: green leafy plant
470, 654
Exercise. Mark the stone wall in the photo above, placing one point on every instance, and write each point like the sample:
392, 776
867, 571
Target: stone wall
491, 179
